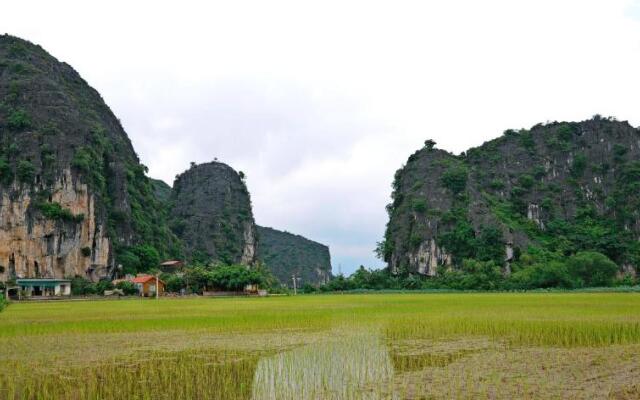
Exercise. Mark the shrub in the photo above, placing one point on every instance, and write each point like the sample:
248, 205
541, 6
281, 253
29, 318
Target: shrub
626, 280
6, 175
369, 279
148, 255
455, 179
18, 120
526, 181
81, 286
384, 249
565, 132
128, 288
82, 160
474, 275
308, 288
619, 152
490, 245
429, 144
129, 261
174, 283
541, 275
578, 166
460, 239
547, 203
591, 268
25, 171
419, 205
415, 240
197, 278
103, 285
56, 212
526, 141
338, 284
234, 277
139, 258
539, 172
496, 184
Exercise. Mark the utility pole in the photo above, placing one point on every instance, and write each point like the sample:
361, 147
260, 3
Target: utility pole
295, 289
157, 287
6, 284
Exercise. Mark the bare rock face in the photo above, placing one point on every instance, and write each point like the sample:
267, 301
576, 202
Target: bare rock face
34, 246
211, 212
560, 187
74, 197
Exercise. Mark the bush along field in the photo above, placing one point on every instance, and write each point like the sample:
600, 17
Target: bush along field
535, 269
374, 346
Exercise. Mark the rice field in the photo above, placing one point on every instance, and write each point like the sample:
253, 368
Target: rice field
364, 346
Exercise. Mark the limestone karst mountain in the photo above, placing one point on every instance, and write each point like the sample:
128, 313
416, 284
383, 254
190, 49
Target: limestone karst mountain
74, 197
211, 212
559, 187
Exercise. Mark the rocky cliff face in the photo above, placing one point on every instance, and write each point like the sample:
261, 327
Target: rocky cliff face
211, 213
35, 246
560, 187
74, 197
286, 254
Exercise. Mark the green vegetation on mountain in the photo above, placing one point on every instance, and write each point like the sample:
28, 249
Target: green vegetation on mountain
526, 204
161, 190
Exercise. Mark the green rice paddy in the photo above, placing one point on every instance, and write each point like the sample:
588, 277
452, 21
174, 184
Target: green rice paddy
365, 346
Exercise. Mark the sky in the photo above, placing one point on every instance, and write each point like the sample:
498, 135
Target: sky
319, 103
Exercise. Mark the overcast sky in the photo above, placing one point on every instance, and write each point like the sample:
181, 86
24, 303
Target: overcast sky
320, 102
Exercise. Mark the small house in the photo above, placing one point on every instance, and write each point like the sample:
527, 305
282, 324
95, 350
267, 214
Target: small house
146, 285
37, 287
171, 266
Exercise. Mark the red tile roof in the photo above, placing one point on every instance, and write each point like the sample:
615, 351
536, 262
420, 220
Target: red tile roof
145, 279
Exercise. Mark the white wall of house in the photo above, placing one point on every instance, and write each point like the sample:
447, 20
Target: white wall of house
59, 289
63, 289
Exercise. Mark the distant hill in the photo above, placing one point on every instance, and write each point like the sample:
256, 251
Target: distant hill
559, 188
285, 254
161, 190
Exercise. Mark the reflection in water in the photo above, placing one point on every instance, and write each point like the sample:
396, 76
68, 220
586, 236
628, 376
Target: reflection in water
356, 367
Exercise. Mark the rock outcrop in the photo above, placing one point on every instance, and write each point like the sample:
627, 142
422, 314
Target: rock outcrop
211, 213
286, 254
74, 197
559, 187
